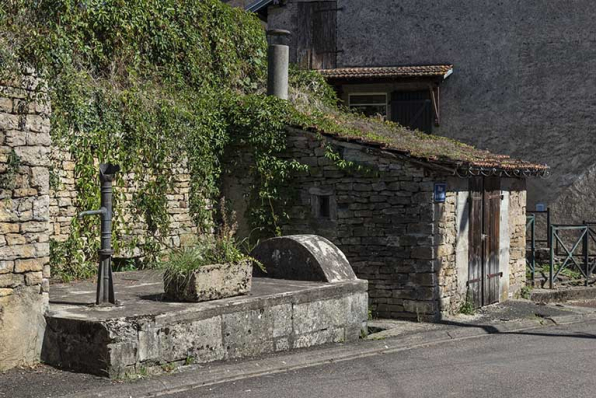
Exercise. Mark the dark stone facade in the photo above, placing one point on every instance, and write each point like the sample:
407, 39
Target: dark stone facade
522, 82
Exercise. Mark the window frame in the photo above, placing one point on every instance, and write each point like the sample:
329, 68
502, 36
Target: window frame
386, 103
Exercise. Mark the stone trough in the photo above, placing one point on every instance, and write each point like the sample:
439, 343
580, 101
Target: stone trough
146, 332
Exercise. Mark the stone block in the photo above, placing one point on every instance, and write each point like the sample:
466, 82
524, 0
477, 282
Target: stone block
14, 239
11, 280
249, 333
201, 340
8, 228
30, 265
14, 252
318, 315
33, 278
423, 253
6, 266
22, 326
149, 344
331, 335
420, 307
211, 282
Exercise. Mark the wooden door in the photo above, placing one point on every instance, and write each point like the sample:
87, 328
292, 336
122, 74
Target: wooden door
483, 273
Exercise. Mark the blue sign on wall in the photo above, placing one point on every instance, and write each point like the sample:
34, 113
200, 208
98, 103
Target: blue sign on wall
440, 192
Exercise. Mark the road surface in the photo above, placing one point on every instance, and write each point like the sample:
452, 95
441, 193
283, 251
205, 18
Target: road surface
547, 363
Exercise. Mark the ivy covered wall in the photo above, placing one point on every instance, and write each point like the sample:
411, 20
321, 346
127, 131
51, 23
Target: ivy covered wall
156, 86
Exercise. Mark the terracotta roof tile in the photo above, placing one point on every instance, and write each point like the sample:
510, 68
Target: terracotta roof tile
388, 72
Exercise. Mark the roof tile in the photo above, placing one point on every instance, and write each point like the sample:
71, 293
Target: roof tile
388, 72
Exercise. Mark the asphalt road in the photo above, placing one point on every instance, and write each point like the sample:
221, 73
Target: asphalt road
547, 363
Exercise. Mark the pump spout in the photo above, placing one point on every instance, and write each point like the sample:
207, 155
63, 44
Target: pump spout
101, 211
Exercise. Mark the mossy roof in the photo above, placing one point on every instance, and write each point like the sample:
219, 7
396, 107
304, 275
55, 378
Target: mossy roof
433, 149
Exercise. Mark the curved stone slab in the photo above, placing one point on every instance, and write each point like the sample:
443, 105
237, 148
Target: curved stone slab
303, 258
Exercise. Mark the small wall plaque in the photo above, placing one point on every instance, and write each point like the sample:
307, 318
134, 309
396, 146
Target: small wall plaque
440, 192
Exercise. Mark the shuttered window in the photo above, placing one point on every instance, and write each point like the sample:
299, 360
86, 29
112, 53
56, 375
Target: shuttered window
413, 109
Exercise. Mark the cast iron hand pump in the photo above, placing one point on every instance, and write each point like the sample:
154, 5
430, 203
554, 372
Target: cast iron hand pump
105, 283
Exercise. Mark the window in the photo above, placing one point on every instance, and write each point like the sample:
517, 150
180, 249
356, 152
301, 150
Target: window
370, 104
324, 205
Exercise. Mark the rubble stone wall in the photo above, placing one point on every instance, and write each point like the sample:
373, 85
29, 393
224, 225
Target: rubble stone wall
382, 218
24, 221
517, 231
63, 205
413, 252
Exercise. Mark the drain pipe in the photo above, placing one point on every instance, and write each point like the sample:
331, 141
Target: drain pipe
278, 57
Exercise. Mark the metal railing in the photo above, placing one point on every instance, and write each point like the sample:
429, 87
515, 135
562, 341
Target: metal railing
531, 251
547, 220
533, 240
571, 242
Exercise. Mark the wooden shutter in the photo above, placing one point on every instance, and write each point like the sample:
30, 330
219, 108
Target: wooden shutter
413, 109
492, 215
317, 40
475, 279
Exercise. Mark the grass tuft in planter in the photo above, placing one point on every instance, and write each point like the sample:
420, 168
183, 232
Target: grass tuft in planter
213, 268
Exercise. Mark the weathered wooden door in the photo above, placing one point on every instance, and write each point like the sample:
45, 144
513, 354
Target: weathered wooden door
485, 212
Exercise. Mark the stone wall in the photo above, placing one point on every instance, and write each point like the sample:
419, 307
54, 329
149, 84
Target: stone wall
450, 296
24, 222
63, 206
413, 252
277, 316
517, 231
383, 221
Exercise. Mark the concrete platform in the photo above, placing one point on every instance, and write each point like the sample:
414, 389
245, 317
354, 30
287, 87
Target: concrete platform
146, 333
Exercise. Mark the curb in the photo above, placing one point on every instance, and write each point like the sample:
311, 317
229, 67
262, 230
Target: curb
201, 376
563, 295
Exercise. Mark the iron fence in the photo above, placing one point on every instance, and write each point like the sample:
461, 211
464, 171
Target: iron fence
571, 248
531, 251
572, 243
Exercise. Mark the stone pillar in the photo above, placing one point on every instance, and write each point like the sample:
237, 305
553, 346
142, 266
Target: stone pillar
24, 221
278, 58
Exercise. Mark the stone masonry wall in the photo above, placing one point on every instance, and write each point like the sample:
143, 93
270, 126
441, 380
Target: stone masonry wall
453, 265
517, 229
24, 222
413, 252
63, 206
383, 222
450, 298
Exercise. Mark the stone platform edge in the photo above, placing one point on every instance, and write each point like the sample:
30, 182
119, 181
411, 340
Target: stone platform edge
242, 328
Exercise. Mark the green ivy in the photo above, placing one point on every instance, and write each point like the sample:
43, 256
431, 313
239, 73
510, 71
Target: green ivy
9, 175
151, 84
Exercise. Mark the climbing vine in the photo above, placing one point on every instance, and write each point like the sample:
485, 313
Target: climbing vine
152, 85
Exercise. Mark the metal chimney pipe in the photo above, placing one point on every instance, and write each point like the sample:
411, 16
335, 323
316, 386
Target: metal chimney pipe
278, 56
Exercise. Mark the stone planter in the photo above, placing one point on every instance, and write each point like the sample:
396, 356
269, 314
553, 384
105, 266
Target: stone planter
211, 282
